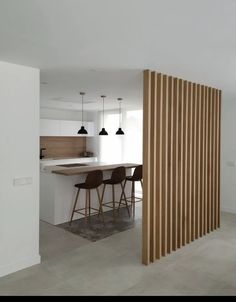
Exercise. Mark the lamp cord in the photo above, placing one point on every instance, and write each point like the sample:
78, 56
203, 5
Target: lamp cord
82, 110
120, 112
103, 111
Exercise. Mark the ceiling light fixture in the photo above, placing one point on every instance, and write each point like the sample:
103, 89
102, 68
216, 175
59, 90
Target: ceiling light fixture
103, 132
120, 131
82, 130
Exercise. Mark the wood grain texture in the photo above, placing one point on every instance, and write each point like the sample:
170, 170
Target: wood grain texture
58, 147
182, 137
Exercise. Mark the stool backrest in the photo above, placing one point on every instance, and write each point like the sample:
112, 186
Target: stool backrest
118, 175
138, 173
94, 179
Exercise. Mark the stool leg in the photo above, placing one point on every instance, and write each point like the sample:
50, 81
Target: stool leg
100, 205
76, 200
86, 206
141, 184
89, 194
102, 199
133, 198
113, 200
123, 194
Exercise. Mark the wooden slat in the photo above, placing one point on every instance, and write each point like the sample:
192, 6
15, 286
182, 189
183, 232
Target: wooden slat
146, 238
164, 165
194, 160
189, 162
180, 162
159, 146
182, 122
175, 140
198, 161
219, 155
202, 160
170, 166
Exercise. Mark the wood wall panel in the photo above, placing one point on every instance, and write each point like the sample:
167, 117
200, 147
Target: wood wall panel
181, 163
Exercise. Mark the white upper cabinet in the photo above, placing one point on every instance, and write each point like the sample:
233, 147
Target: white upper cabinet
50, 128
64, 128
70, 128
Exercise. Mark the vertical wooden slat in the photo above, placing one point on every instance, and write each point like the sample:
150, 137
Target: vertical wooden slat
153, 164
219, 156
198, 160
159, 148
202, 161
213, 227
185, 164
146, 171
165, 164
181, 162
170, 166
189, 163
209, 162
194, 160
175, 117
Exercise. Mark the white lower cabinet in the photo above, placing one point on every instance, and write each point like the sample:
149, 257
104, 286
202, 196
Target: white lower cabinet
64, 128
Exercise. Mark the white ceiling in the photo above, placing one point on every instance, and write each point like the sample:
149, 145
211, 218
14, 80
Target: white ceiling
67, 39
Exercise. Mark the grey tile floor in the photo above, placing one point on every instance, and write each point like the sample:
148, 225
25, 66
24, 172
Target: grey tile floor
74, 266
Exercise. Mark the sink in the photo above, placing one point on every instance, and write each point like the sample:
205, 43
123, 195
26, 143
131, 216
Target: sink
72, 165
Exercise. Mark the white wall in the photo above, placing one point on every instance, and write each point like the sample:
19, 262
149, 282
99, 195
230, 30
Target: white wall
228, 165
71, 115
19, 158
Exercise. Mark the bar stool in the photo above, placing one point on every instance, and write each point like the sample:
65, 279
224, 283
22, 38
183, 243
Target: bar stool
117, 178
137, 176
93, 181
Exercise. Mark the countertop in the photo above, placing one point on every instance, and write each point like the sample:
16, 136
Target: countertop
91, 167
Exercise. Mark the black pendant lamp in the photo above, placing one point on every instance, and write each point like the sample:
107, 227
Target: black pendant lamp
120, 131
103, 131
82, 130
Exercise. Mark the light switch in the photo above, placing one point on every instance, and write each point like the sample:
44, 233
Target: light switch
24, 181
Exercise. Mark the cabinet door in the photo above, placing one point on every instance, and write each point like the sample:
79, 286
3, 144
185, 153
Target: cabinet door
49, 127
70, 128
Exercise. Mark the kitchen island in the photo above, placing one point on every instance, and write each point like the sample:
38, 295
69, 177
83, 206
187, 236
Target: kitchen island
57, 189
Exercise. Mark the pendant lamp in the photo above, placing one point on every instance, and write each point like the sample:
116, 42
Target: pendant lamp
103, 131
120, 131
82, 130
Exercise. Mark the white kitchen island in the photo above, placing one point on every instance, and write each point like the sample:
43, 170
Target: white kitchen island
57, 190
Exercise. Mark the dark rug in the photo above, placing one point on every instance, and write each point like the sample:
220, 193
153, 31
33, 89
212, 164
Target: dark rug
95, 230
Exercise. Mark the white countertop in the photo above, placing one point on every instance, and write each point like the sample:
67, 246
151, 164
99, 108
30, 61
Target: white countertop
47, 165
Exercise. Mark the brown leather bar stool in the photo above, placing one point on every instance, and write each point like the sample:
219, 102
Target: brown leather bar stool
136, 177
93, 181
117, 178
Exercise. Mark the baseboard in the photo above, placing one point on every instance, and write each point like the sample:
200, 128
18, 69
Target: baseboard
228, 210
19, 265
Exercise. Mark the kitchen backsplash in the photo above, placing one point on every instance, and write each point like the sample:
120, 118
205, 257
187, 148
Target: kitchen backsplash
58, 147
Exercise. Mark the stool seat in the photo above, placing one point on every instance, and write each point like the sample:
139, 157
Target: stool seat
110, 182
84, 186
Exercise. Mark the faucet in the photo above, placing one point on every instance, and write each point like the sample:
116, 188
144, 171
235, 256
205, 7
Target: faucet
41, 153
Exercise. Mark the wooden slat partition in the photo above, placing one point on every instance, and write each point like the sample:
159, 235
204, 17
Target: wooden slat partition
182, 122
